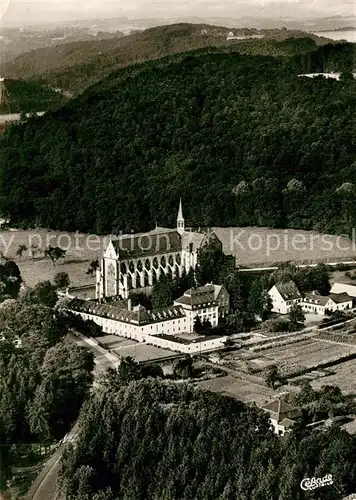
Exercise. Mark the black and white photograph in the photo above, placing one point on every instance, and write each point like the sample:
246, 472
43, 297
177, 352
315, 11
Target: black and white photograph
178, 250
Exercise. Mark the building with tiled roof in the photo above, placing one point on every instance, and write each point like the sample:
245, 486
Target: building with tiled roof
137, 260
284, 295
160, 327
322, 304
282, 415
209, 302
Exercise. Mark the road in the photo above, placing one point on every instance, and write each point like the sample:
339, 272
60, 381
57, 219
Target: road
45, 485
274, 268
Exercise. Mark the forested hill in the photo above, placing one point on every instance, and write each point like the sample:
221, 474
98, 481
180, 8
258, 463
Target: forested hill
29, 97
242, 139
159, 440
74, 66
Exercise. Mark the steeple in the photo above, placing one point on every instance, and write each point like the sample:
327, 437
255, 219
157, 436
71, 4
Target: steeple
180, 219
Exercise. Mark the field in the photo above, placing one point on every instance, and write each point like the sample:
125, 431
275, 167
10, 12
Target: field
343, 376
259, 246
82, 249
240, 389
308, 354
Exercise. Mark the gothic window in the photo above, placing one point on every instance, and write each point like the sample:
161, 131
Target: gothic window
139, 265
163, 261
123, 268
155, 263
171, 260
148, 264
111, 270
132, 267
178, 259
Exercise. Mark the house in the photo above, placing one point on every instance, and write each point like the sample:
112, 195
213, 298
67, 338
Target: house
209, 302
283, 295
347, 287
282, 416
320, 304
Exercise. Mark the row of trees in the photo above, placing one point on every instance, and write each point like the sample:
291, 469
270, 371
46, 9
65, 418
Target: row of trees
54, 253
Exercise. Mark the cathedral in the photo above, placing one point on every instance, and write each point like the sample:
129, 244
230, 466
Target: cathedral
137, 261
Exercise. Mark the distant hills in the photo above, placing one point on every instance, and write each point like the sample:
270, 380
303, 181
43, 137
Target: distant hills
75, 66
241, 138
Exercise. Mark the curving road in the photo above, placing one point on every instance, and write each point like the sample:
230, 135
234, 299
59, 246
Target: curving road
45, 485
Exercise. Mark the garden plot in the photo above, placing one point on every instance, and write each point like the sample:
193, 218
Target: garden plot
307, 354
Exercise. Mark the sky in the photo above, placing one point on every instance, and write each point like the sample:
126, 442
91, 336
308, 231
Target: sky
30, 11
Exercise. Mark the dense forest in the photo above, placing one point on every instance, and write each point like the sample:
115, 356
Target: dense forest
153, 439
44, 379
28, 97
76, 65
242, 139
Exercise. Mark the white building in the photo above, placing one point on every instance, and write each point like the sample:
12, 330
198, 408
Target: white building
209, 302
320, 304
349, 288
137, 260
282, 416
283, 295
160, 327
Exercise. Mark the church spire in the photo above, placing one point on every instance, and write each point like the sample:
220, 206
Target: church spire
180, 219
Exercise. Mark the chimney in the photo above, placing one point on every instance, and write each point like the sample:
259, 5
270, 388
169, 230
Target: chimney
129, 304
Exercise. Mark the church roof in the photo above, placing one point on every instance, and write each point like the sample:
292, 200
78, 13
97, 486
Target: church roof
147, 244
180, 211
192, 237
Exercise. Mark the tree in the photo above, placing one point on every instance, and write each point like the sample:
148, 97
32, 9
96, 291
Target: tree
93, 266
10, 279
162, 293
128, 370
183, 367
213, 266
152, 370
296, 316
347, 76
272, 376
55, 253
197, 327
66, 378
233, 285
45, 293
235, 323
21, 249
61, 280
307, 394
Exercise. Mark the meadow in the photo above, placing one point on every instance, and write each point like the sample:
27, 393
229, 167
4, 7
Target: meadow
83, 248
